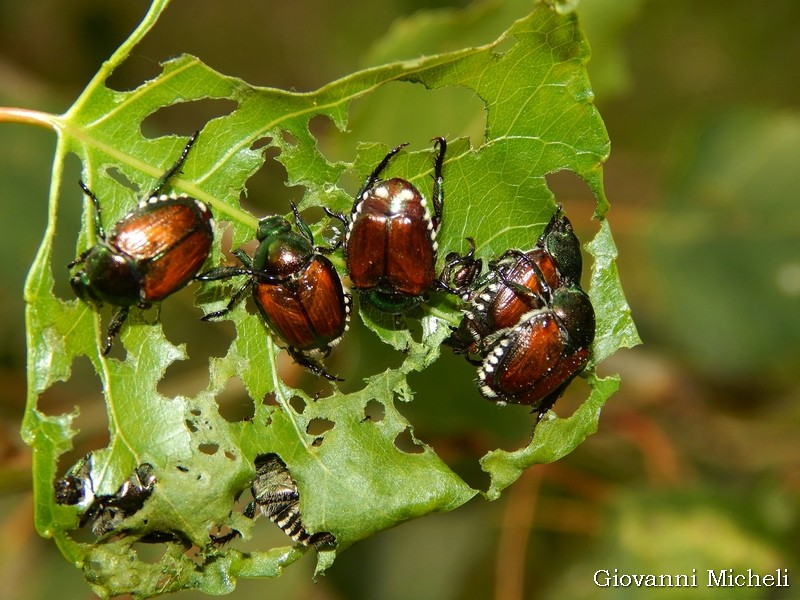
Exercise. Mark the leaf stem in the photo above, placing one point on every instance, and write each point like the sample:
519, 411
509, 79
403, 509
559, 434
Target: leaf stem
10, 114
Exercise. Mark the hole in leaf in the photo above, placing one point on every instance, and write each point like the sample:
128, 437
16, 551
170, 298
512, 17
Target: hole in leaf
324, 130
182, 469
81, 391
180, 321
150, 553
138, 67
123, 180
404, 112
458, 423
186, 117
374, 411
83, 535
319, 426
405, 443
230, 455
577, 392
414, 327
288, 137
298, 404
263, 142
504, 46
63, 396
190, 425
233, 402
267, 190
209, 449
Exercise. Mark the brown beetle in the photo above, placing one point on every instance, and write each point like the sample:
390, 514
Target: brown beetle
390, 242
150, 253
295, 288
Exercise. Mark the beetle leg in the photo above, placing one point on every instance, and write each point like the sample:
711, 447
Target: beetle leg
98, 224
376, 173
550, 226
523, 291
475, 362
322, 539
550, 400
301, 225
231, 303
335, 215
114, 327
243, 257
218, 273
511, 253
340, 236
440, 145
174, 169
305, 230
249, 270
80, 259
220, 540
304, 361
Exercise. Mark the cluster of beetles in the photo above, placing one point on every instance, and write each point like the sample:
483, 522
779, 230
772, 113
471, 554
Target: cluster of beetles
527, 323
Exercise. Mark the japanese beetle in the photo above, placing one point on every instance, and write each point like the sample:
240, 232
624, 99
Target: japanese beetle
516, 283
533, 362
390, 241
295, 288
275, 495
152, 252
104, 513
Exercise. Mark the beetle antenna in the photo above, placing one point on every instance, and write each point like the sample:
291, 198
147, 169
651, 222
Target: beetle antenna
376, 173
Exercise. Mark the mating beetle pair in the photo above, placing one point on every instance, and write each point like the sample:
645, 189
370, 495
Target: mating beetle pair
528, 319
516, 283
534, 361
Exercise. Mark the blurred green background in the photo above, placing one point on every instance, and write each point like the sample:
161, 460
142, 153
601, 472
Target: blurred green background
695, 465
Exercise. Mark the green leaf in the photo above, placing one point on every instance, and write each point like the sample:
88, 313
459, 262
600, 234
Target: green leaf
362, 474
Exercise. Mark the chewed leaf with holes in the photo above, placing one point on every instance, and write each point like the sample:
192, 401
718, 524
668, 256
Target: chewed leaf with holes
355, 475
